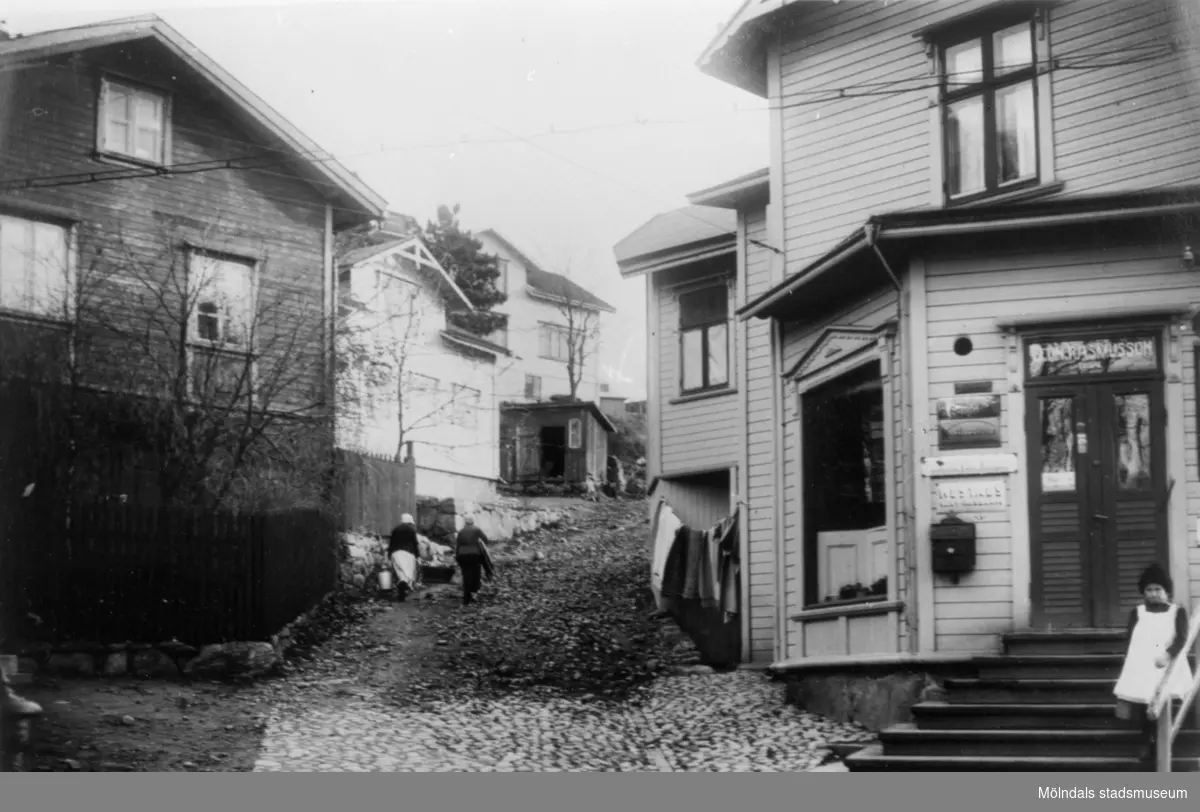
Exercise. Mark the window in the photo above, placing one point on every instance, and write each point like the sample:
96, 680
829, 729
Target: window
603, 388
574, 433
222, 292
533, 386
218, 376
553, 342
704, 339
989, 110
132, 122
36, 275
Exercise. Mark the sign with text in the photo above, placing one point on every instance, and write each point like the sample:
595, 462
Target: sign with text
969, 465
969, 421
970, 495
1099, 356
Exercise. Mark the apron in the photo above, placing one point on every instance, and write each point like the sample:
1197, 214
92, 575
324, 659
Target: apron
405, 565
1139, 679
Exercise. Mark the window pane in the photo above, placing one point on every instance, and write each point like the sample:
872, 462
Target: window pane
964, 64
1058, 444
1016, 147
49, 284
544, 341
703, 307
964, 144
116, 136
1132, 434
14, 262
718, 355
1012, 49
693, 359
148, 143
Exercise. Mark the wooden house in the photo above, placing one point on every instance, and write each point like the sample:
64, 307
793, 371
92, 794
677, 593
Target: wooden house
960, 405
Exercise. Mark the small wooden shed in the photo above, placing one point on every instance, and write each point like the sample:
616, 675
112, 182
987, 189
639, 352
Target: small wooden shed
557, 442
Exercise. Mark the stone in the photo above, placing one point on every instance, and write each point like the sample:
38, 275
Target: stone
127, 720
446, 523
175, 649
84, 646
76, 664
240, 659
154, 663
116, 664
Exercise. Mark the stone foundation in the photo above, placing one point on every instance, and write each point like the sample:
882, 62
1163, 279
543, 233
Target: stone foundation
873, 697
170, 659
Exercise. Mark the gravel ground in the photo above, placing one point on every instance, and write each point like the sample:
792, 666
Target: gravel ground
727, 722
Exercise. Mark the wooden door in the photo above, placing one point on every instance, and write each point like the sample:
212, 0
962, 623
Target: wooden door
1097, 498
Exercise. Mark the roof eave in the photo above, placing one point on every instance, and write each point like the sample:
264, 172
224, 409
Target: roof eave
676, 257
563, 300
727, 55
741, 192
358, 199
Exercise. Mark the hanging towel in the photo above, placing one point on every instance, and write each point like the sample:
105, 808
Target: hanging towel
729, 571
710, 581
675, 570
697, 554
664, 528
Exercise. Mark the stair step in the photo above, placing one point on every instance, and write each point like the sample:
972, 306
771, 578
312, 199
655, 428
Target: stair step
1018, 716
910, 740
1048, 666
873, 759
1038, 691
1082, 641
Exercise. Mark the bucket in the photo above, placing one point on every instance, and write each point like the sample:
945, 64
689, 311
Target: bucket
385, 579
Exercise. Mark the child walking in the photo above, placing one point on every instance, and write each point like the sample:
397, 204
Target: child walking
1157, 631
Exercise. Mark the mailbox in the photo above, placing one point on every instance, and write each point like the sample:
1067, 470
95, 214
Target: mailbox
953, 543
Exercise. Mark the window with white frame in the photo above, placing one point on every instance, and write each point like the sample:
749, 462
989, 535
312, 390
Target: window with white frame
36, 272
574, 433
222, 299
704, 338
989, 108
502, 280
133, 121
533, 386
553, 342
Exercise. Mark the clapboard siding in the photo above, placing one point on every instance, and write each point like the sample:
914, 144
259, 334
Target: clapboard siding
680, 424
1054, 276
1114, 128
760, 439
698, 503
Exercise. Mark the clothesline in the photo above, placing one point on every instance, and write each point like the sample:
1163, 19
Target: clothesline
690, 564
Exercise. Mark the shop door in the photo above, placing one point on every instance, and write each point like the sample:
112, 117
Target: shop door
1097, 497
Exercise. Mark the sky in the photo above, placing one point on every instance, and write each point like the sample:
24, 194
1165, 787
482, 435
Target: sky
595, 115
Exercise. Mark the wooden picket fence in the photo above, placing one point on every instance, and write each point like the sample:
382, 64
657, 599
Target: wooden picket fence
375, 491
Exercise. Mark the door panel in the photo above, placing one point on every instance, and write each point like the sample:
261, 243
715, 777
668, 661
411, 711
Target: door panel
1059, 491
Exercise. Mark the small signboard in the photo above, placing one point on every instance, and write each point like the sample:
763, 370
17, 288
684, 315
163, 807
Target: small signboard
970, 495
969, 465
969, 421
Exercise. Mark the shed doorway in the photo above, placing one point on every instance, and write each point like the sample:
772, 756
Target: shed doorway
553, 440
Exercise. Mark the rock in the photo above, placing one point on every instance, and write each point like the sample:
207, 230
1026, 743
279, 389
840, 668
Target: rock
175, 649
227, 660
72, 665
116, 664
127, 720
154, 663
446, 523
447, 506
72, 764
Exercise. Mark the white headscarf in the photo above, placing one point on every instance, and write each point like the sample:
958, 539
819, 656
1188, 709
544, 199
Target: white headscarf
407, 519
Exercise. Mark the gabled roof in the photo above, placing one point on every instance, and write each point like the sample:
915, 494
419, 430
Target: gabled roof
412, 249
563, 405
737, 54
351, 195
683, 236
552, 287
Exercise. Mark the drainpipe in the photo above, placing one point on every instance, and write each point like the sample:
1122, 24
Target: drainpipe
871, 238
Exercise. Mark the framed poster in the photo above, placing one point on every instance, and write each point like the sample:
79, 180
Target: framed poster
969, 421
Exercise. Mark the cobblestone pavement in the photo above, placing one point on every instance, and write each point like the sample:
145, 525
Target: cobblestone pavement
735, 721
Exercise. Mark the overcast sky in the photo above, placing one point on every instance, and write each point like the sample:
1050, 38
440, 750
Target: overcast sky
394, 87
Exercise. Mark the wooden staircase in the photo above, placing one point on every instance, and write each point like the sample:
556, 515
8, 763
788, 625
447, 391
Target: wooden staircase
1045, 704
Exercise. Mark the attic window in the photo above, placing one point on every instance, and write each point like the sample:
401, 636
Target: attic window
132, 122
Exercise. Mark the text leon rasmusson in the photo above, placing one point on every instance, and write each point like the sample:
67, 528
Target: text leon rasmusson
1108, 792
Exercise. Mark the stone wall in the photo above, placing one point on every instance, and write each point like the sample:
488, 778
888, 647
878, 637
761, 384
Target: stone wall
873, 697
169, 659
503, 519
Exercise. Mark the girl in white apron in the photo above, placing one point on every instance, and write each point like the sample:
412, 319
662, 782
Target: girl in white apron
1157, 632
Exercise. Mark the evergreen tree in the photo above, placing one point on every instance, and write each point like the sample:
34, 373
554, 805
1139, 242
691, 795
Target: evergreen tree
474, 271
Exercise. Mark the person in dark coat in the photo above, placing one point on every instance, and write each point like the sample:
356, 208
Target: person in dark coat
404, 541
470, 551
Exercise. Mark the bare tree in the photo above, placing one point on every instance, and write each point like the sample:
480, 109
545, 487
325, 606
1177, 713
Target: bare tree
582, 333
189, 354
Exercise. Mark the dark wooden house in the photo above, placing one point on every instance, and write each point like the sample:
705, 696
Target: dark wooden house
558, 442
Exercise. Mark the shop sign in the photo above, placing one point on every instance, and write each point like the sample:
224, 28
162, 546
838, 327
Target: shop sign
969, 465
963, 496
1092, 357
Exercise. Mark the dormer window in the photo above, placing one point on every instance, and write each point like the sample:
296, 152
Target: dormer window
989, 109
132, 122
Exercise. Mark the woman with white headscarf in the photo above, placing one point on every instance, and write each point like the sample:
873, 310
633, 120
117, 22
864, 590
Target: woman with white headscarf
403, 550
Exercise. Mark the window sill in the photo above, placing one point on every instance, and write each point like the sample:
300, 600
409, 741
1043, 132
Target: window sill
857, 607
121, 159
1015, 196
705, 395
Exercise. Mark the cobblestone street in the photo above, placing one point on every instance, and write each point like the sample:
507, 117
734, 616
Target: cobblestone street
715, 722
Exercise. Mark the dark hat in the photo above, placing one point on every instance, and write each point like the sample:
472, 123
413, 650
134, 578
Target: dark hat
1154, 574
